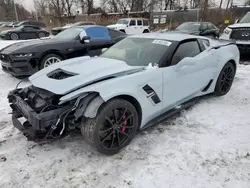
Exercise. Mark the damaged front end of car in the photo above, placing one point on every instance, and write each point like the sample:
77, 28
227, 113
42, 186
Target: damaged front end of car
40, 114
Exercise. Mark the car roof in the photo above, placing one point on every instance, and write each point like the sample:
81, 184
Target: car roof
88, 26
133, 19
167, 36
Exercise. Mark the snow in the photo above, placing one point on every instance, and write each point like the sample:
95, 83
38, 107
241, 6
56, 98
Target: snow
207, 146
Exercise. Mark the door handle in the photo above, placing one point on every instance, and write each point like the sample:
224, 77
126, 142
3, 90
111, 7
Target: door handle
70, 49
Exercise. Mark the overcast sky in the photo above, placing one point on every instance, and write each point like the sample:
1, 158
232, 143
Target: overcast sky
29, 4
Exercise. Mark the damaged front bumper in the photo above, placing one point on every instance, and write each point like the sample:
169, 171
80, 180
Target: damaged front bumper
42, 115
35, 125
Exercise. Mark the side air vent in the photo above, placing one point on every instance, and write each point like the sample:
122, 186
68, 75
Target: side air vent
60, 74
148, 89
151, 94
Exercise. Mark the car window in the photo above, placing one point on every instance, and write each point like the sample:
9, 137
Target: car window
205, 42
138, 51
187, 49
139, 22
114, 33
210, 26
132, 23
28, 28
33, 23
145, 23
204, 26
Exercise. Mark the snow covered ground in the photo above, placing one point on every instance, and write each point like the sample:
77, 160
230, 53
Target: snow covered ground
207, 146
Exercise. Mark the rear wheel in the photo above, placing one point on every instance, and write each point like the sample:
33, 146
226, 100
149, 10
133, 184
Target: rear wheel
225, 79
41, 35
113, 128
49, 60
146, 31
14, 36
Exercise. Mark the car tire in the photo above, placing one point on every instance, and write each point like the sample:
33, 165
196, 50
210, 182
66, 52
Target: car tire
225, 79
122, 30
105, 133
14, 36
49, 60
146, 31
41, 35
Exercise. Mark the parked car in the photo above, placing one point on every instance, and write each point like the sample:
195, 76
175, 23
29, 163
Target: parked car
207, 29
30, 22
57, 30
24, 32
132, 25
239, 32
129, 87
26, 58
12, 24
4, 24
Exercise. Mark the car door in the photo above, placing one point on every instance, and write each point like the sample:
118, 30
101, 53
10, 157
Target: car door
186, 76
214, 31
28, 32
131, 29
139, 28
204, 29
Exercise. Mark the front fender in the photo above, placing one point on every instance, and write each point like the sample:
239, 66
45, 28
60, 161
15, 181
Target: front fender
128, 85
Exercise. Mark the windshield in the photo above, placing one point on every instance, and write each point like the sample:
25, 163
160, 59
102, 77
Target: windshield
69, 34
122, 21
189, 27
138, 51
245, 19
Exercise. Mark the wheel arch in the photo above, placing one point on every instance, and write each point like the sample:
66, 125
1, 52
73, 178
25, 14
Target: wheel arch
96, 104
53, 51
234, 63
134, 102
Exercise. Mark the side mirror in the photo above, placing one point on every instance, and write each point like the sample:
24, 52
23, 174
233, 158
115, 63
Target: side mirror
185, 62
104, 50
84, 39
237, 21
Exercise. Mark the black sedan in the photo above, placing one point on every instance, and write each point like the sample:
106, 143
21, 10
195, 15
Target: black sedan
206, 29
24, 32
26, 58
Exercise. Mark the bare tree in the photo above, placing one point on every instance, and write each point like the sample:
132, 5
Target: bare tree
68, 6
42, 6
7, 6
57, 7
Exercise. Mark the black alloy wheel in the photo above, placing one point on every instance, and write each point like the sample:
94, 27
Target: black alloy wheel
225, 79
113, 128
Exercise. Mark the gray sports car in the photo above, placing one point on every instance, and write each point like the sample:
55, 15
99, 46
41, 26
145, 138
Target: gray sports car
129, 87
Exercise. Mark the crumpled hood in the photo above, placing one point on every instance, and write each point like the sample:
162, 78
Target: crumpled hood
116, 26
79, 72
239, 25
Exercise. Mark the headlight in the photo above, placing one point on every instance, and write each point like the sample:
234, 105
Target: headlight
227, 31
24, 55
